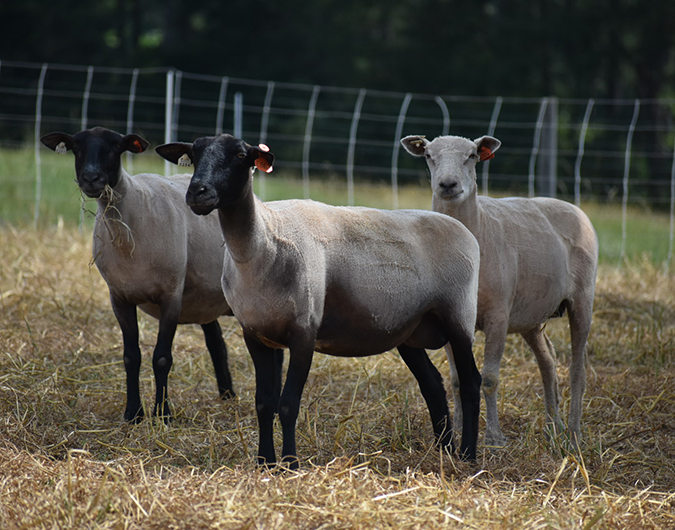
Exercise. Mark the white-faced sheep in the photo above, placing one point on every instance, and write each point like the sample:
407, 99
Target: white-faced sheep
153, 253
342, 281
538, 258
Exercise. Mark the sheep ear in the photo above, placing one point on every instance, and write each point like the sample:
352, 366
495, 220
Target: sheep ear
58, 142
415, 145
263, 157
487, 145
177, 153
135, 144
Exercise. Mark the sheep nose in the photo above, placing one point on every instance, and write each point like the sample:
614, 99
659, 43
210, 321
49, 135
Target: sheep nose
449, 185
198, 193
196, 189
90, 176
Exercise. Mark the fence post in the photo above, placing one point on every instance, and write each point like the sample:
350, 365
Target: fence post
397, 146
309, 126
535, 146
221, 104
85, 98
264, 120
626, 172
83, 125
580, 152
238, 113
491, 131
168, 116
176, 105
446, 115
548, 154
130, 116
38, 160
352, 145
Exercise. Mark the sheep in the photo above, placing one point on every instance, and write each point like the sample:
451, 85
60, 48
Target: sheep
153, 253
539, 257
348, 282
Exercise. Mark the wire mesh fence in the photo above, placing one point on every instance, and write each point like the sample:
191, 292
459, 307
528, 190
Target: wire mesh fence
616, 151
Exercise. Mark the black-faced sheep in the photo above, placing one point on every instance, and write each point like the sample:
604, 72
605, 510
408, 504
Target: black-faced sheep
153, 253
342, 281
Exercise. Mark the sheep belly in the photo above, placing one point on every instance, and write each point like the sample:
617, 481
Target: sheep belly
353, 327
346, 335
344, 340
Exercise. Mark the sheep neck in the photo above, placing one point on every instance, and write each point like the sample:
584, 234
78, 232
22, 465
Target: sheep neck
111, 212
467, 211
244, 226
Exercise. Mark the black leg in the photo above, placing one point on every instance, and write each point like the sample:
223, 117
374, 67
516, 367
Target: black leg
433, 390
162, 358
278, 369
213, 336
127, 319
289, 403
266, 397
469, 390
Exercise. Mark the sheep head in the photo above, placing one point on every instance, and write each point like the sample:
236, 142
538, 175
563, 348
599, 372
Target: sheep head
452, 162
97, 153
222, 168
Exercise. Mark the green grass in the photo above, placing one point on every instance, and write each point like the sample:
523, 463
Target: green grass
647, 231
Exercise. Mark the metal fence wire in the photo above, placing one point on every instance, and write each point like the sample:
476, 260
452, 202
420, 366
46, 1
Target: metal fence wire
602, 150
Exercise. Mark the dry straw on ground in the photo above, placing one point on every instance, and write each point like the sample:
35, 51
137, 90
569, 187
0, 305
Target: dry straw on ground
67, 461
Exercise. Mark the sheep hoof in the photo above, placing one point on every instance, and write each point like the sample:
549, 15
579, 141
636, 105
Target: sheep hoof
445, 440
226, 394
290, 462
162, 412
467, 455
268, 465
556, 432
496, 441
575, 440
134, 417
166, 420
565, 442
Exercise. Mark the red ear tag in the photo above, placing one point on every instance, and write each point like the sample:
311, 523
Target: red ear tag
263, 165
486, 153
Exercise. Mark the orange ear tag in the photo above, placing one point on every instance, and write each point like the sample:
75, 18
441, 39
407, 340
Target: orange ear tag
261, 163
486, 153
138, 146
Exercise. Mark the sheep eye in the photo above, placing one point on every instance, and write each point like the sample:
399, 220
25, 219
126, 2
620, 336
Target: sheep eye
428, 157
241, 155
473, 156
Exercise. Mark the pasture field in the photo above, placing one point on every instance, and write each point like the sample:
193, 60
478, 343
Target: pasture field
647, 230
364, 436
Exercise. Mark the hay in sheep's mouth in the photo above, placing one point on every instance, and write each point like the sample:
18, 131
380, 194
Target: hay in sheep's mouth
119, 232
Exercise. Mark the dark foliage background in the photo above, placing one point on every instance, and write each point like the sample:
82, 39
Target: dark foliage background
565, 48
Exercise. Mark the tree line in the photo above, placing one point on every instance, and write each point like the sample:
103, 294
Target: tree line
565, 48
